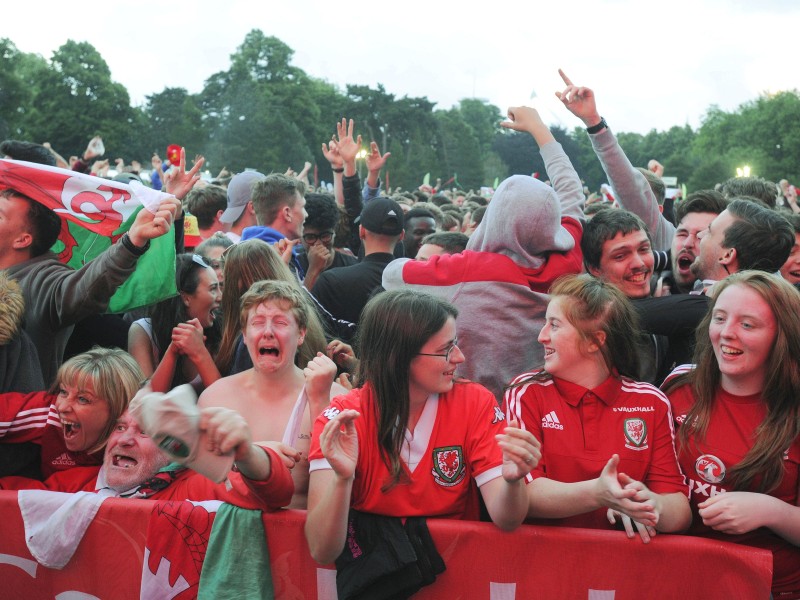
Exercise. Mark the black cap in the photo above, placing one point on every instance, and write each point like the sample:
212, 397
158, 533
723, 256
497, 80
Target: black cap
382, 215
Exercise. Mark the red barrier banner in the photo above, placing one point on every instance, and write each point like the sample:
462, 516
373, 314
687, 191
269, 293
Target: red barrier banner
482, 562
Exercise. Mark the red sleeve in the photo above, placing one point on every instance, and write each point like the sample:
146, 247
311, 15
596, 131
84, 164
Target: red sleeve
664, 475
271, 494
486, 421
23, 417
335, 407
277, 489
467, 266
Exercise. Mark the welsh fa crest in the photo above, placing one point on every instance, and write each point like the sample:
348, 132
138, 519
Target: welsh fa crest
635, 434
448, 466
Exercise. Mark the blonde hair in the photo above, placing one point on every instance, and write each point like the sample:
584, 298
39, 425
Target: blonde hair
112, 374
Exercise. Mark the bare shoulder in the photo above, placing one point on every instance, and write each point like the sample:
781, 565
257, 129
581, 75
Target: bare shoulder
226, 391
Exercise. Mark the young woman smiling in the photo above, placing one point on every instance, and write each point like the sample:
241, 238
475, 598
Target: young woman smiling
738, 413
410, 441
608, 447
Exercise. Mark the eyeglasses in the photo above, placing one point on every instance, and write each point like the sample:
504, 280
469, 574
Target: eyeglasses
446, 355
324, 237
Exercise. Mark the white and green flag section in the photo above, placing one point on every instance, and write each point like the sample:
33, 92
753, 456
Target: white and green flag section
95, 212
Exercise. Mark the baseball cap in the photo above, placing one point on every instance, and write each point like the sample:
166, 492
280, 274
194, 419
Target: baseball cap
240, 189
172, 421
382, 215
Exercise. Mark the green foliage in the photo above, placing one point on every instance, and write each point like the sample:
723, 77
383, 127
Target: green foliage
75, 99
16, 94
265, 113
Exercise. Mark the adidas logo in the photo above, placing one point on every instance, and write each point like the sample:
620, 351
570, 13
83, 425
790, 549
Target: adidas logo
550, 421
65, 460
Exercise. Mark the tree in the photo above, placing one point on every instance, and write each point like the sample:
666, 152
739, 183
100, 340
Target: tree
174, 117
77, 99
460, 150
16, 70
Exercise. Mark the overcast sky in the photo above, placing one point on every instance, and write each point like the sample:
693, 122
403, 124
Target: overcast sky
650, 67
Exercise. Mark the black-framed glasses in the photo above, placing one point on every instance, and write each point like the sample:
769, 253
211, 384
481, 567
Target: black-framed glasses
311, 238
445, 355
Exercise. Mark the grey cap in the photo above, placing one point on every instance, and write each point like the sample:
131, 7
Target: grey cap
240, 190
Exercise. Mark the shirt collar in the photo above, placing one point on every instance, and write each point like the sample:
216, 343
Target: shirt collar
573, 393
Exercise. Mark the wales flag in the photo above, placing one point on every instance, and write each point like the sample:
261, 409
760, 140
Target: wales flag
94, 213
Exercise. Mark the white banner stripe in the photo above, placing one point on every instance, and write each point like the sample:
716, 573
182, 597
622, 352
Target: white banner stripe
601, 594
326, 584
502, 591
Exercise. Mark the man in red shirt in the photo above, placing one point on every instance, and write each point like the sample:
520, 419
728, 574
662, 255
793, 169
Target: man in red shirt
134, 467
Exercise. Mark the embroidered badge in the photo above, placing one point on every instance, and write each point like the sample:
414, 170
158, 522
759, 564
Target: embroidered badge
635, 434
448, 466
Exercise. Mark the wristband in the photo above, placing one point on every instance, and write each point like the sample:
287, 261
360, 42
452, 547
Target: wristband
135, 250
597, 128
337, 170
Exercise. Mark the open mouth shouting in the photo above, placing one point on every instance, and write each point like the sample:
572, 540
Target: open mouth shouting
684, 262
123, 462
71, 430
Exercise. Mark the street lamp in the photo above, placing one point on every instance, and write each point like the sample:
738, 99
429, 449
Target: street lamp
360, 156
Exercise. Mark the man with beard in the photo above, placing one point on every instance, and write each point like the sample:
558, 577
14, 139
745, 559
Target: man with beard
744, 236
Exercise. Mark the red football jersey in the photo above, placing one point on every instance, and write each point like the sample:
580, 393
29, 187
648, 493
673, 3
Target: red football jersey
581, 429
452, 445
33, 418
706, 463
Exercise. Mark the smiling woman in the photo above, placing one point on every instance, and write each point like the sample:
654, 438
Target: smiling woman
73, 421
411, 441
608, 448
738, 418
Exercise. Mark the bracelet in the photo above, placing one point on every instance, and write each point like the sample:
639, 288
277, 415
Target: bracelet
135, 250
597, 128
337, 170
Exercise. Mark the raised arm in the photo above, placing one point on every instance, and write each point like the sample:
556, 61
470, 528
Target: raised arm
353, 203
331, 153
631, 188
566, 182
375, 162
330, 490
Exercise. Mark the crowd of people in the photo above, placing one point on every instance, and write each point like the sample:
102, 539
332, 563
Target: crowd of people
527, 357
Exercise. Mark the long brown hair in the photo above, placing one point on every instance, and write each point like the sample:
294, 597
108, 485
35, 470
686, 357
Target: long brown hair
781, 393
246, 263
392, 330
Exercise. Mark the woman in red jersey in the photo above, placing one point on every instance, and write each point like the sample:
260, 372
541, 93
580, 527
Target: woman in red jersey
739, 421
410, 441
608, 448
